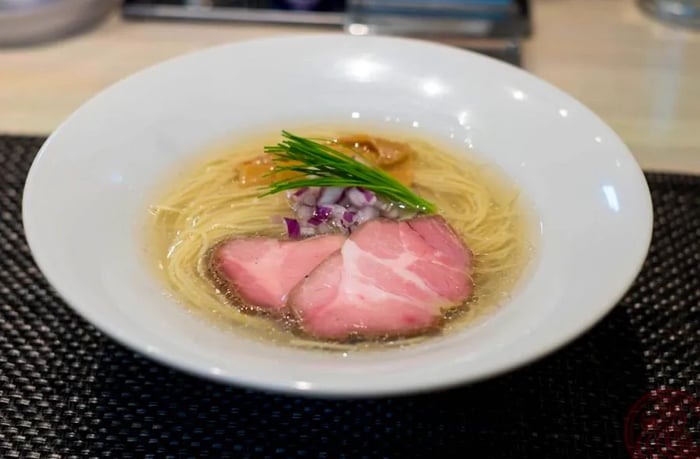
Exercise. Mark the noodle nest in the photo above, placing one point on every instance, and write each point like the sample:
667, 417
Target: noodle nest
207, 206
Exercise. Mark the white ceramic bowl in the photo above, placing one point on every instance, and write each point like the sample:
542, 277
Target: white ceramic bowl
84, 199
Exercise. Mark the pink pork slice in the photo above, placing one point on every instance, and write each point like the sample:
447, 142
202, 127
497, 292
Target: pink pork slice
389, 278
263, 271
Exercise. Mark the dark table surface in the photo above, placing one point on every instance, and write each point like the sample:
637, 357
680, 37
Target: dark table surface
66, 390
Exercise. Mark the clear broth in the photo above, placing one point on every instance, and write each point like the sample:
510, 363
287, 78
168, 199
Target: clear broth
200, 294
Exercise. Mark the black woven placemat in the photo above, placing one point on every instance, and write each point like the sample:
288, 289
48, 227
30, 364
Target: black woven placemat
68, 391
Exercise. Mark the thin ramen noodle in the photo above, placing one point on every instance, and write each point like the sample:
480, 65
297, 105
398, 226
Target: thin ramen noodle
206, 206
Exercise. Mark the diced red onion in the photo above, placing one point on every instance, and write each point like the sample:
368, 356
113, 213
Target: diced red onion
369, 195
321, 210
344, 200
366, 214
357, 198
310, 196
391, 213
337, 211
330, 195
303, 213
324, 212
293, 228
384, 206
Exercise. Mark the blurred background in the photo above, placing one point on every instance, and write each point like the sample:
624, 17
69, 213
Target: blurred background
635, 62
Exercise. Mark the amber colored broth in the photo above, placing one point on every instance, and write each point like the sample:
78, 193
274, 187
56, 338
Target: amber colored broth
492, 289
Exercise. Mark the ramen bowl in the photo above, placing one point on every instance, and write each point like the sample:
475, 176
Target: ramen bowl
86, 201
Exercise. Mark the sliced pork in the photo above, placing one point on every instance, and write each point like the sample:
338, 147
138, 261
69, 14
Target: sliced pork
262, 271
388, 278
